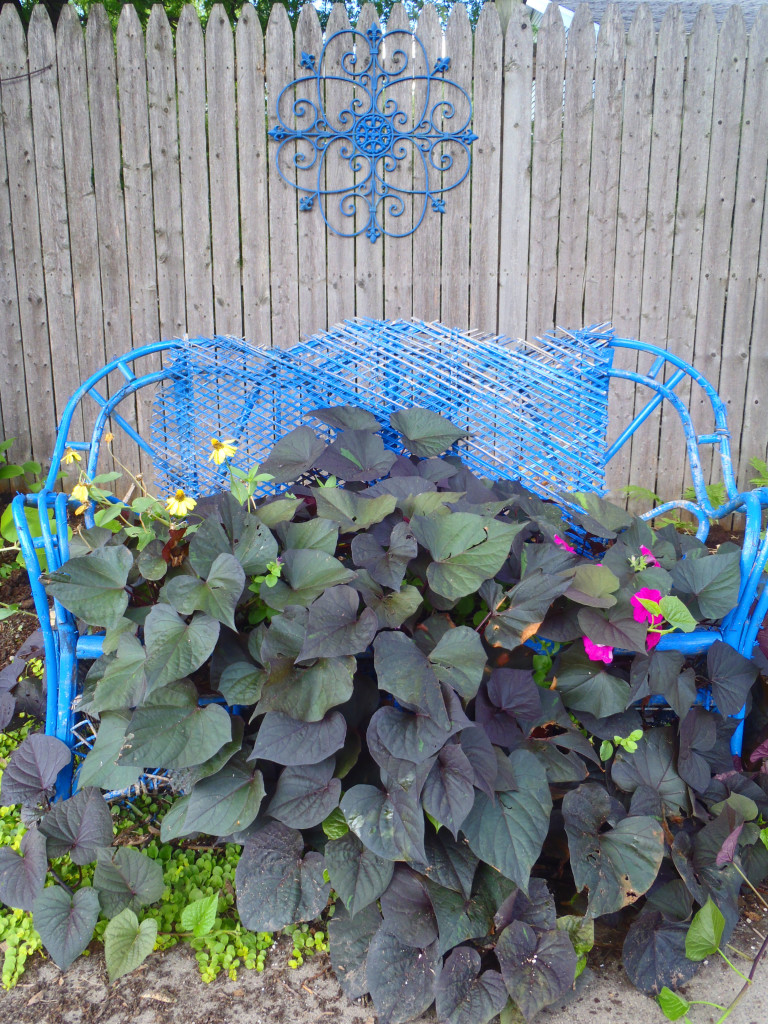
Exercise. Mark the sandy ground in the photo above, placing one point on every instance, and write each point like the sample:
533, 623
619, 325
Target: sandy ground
168, 990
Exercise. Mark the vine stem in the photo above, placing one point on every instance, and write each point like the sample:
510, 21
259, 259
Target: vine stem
748, 982
492, 612
61, 881
754, 890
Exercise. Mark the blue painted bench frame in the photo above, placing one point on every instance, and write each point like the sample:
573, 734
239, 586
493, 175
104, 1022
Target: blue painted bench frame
65, 646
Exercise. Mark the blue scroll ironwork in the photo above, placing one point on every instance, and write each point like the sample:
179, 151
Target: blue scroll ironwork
373, 132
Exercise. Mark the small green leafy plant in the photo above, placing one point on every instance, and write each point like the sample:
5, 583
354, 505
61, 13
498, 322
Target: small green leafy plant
382, 680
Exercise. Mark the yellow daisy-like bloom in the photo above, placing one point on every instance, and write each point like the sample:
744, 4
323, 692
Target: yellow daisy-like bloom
179, 504
222, 450
80, 493
71, 456
109, 438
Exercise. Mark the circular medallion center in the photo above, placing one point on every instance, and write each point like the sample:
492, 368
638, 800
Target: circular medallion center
373, 134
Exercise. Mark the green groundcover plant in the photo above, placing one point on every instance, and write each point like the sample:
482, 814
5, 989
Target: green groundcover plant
424, 691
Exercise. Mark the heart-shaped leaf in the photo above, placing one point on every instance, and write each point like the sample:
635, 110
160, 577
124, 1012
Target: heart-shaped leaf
448, 793
712, 579
124, 682
356, 455
334, 628
386, 567
32, 769
350, 939
731, 676
100, 767
459, 659
217, 595
176, 648
389, 822
357, 874
618, 865
404, 671
653, 765
401, 978
127, 944
460, 918
240, 683
276, 884
407, 908
306, 574
174, 736
593, 585
525, 607
293, 455
347, 417
654, 953
126, 878
305, 794
225, 802
22, 876
80, 826
465, 996
307, 693
451, 864
425, 433
352, 511
584, 685
93, 586
65, 922
537, 968
199, 917
287, 740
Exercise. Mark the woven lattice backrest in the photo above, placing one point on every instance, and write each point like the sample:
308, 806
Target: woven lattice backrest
534, 411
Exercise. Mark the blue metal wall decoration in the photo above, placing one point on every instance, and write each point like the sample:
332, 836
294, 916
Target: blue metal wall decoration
388, 109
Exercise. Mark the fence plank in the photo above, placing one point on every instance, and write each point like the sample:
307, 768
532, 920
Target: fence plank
282, 196
631, 226
340, 252
166, 181
577, 143
735, 365
190, 79
369, 272
545, 172
689, 227
718, 211
454, 290
17, 120
137, 185
110, 207
399, 283
426, 240
222, 169
486, 172
313, 315
660, 224
252, 151
754, 439
13, 395
604, 173
52, 199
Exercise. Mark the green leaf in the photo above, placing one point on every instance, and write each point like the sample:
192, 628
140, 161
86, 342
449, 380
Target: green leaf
334, 628
459, 660
126, 878
225, 802
65, 921
425, 433
200, 917
93, 587
174, 736
705, 933
335, 827
672, 1005
100, 767
306, 574
240, 683
175, 648
124, 682
712, 579
307, 693
593, 585
127, 943
677, 615
352, 511
279, 511
358, 875
217, 596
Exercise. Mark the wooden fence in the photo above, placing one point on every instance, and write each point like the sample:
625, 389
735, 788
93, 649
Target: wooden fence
139, 199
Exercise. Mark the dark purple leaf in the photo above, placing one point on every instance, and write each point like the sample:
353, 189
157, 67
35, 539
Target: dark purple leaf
287, 740
388, 821
64, 922
463, 995
537, 968
401, 978
80, 826
32, 769
350, 938
334, 628
357, 874
22, 876
306, 794
654, 954
407, 908
448, 793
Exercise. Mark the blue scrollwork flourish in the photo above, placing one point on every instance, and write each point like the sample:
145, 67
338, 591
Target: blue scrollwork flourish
373, 131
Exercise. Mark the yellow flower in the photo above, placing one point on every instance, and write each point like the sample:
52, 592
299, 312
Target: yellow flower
109, 438
71, 456
80, 492
222, 450
179, 504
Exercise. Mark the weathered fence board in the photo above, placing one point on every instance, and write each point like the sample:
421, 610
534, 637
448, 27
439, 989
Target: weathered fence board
252, 152
139, 196
166, 181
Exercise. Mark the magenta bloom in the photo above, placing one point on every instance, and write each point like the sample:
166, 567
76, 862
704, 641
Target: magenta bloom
642, 614
564, 544
648, 555
598, 652
652, 639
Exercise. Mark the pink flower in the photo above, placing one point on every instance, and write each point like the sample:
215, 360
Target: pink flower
564, 544
652, 639
598, 652
648, 555
642, 614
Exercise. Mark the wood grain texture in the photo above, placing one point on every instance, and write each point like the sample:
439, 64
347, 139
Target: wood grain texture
166, 176
631, 228
252, 153
369, 271
426, 241
313, 314
398, 252
196, 225
454, 289
340, 252
52, 200
545, 173
25, 217
577, 145
222, 171
486, 172
604, 172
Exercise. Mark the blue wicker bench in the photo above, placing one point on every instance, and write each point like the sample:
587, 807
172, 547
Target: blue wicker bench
535, 411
